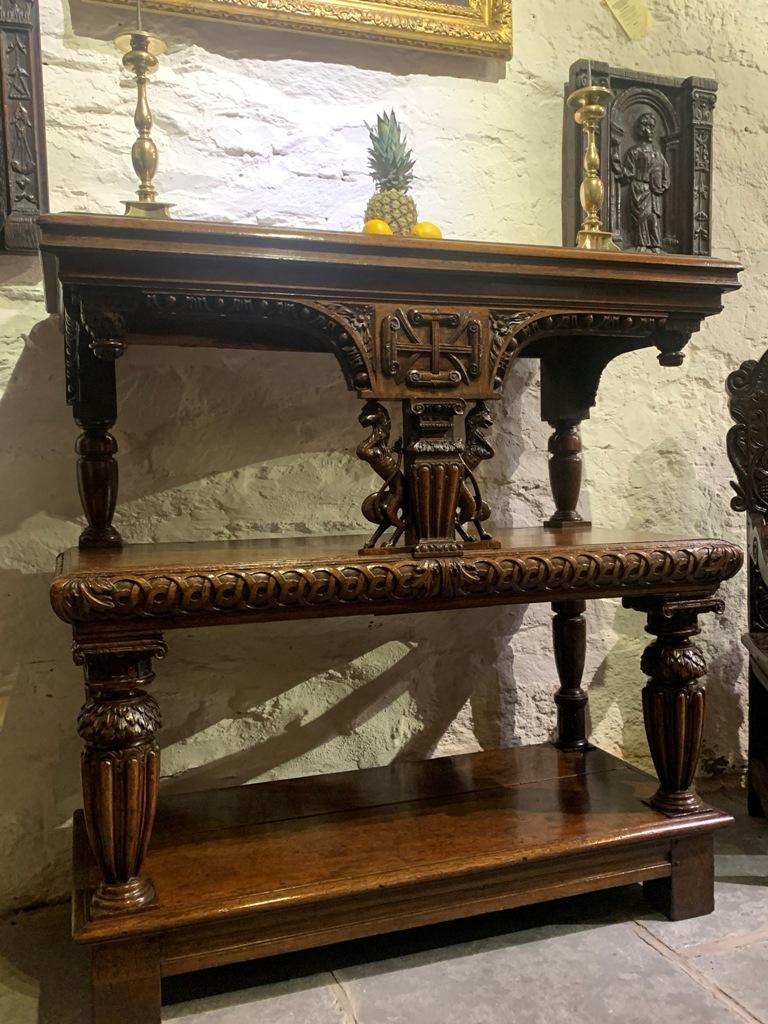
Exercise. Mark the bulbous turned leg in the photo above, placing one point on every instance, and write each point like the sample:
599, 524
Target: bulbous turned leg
97, 484
120, 766
674, 698
565, 474
90, 352
569, 636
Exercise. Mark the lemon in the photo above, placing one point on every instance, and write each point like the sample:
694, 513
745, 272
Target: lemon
377, 227
425, 229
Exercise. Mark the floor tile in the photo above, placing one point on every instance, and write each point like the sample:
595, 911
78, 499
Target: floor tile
611, 974
743, 974
43, 974
740, 907
300, 1001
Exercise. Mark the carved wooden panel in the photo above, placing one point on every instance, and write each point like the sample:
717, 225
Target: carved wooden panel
23, 170
655, 158
748, 437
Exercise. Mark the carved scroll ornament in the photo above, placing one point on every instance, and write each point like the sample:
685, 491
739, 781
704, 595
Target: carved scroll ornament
365, 582
747, 440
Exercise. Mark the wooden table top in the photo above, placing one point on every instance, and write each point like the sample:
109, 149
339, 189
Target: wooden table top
211, 583
117, 250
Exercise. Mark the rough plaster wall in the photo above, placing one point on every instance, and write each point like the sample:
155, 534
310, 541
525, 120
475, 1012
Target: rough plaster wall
268, 129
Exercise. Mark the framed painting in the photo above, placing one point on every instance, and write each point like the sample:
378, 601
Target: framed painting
482, 28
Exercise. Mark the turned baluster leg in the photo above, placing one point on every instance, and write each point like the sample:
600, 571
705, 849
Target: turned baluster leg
97, 483
569, 634
674, 698
91, 352
120, 766
565, 473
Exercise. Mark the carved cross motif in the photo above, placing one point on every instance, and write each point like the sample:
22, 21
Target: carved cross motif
432, 349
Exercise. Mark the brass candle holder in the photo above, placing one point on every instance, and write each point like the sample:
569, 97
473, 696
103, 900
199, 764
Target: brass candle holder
590, 103
141, 50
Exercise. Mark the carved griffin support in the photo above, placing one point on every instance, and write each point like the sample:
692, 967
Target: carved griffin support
385, 507
472, 508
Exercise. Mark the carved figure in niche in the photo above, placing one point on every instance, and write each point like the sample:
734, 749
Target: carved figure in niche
22, 157
471, 507
646, 171
384, 507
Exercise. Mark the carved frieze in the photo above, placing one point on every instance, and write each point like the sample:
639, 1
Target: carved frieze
23, 169
366, 582
344, 328
385, 352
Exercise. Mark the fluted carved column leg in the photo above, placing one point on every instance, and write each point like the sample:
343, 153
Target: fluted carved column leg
565, 473
674, 698
120, 766
569, 636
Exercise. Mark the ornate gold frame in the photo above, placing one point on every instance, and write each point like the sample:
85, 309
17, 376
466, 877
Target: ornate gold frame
482, 28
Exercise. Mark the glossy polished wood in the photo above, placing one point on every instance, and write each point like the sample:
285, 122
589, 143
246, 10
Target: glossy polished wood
116, 251
178, 585
431, 325
425, 331
268, 868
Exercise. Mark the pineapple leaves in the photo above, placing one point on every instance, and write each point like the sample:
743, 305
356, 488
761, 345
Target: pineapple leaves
389, 158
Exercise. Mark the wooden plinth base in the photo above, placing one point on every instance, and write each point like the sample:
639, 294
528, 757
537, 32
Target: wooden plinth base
252, 871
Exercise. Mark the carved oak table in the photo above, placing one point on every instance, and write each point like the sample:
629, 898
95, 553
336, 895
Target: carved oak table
430, 329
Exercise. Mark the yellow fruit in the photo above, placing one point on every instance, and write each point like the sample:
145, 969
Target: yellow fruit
377, 227
425, 229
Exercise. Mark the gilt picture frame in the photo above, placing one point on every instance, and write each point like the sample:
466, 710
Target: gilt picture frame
482, 28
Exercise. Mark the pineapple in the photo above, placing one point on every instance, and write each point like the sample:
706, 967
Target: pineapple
391, 165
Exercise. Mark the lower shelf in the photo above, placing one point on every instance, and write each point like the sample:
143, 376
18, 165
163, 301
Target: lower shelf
263, 869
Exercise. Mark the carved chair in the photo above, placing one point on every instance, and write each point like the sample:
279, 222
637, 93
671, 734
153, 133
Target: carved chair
748, 452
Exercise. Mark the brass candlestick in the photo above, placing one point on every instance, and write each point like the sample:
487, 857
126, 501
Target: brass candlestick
590, 110
140, 51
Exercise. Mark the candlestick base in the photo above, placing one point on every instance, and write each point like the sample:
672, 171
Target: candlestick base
601, 241
141, 208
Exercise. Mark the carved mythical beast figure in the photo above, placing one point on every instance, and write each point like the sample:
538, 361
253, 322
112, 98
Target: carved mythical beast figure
472, 508
384, 507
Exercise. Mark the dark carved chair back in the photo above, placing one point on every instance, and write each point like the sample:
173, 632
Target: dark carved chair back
747, 443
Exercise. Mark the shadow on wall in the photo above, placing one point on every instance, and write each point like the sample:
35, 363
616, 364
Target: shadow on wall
615, 689
220, 444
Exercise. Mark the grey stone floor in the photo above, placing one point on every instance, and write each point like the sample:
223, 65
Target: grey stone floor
586, 960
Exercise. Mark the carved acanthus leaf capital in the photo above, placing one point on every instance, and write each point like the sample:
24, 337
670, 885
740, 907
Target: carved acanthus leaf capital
673, 664
119, 723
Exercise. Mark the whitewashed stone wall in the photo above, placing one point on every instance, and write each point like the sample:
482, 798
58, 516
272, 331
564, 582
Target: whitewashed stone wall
268, 129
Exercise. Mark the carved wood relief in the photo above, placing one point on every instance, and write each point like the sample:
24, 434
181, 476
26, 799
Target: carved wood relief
747, 439
395, 579
22, 128
432, 360
655, 159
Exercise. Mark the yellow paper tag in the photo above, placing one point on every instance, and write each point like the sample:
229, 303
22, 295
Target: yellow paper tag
633, 16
